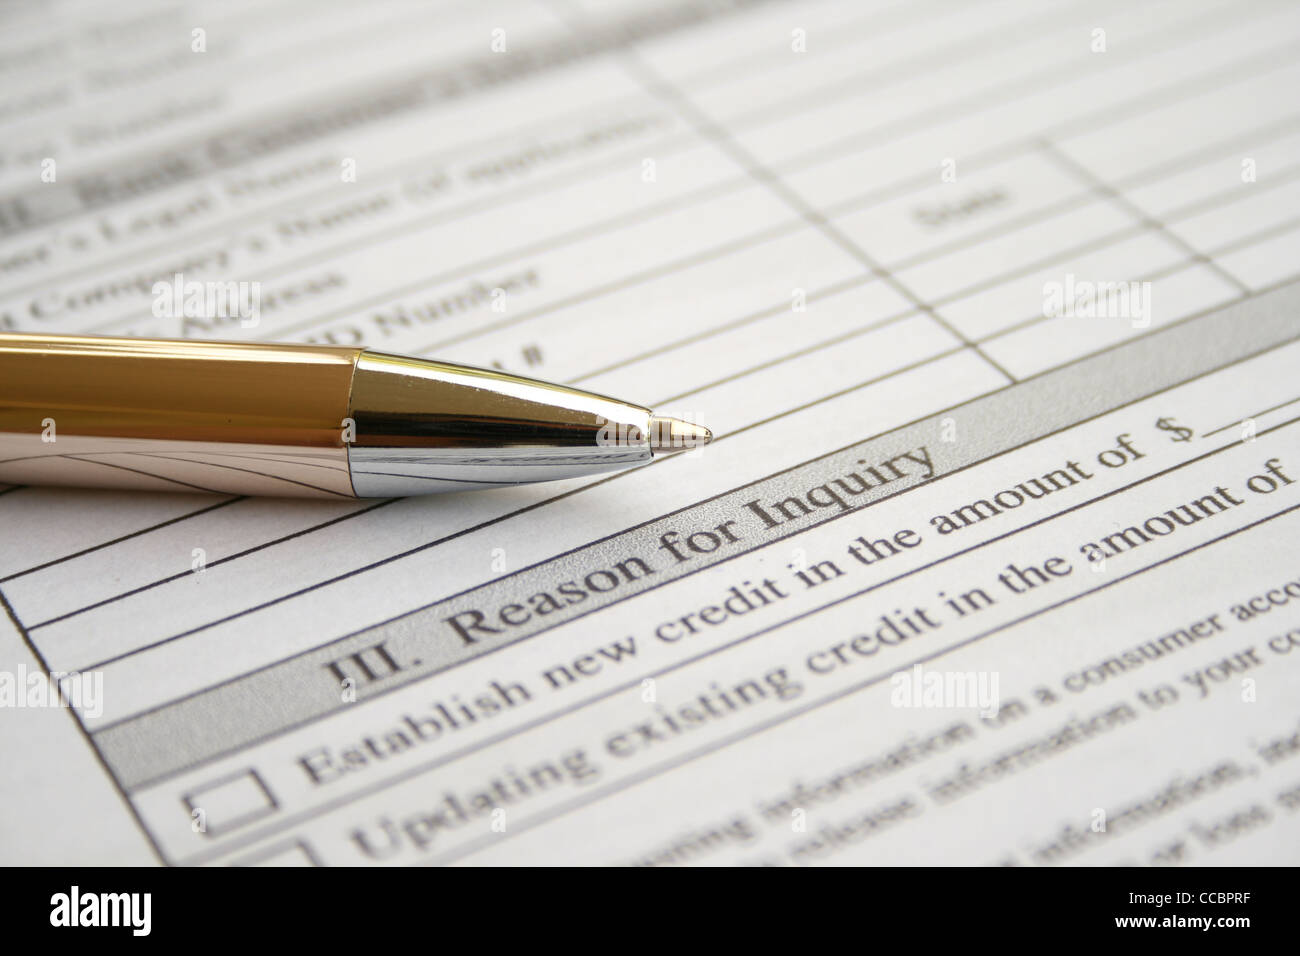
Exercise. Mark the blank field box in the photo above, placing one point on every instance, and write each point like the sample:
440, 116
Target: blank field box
1256, 210
1273, 259
1143, 144
1061, 237
230, 802
1270, 153
1022, 298
946, 215
1053, 342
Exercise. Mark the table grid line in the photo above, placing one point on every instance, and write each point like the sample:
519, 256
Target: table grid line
1078, 169
1252, 65
764, 175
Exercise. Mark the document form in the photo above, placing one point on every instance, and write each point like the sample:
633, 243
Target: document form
992, 308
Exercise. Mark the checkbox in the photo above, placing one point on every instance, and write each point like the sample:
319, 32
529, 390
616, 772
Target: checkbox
230, 802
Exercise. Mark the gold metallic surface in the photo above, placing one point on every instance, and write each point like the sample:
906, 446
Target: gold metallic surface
224, 417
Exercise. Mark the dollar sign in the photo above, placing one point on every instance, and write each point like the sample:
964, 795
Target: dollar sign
1177, 432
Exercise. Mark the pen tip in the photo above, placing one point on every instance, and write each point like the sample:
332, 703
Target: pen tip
668, 434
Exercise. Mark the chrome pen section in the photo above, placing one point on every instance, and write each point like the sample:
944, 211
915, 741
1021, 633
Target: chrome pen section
298, 420
429, 426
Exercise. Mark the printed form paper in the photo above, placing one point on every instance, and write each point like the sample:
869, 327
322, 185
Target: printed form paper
992, 307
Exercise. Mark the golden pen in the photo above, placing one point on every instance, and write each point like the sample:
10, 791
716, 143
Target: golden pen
299, 420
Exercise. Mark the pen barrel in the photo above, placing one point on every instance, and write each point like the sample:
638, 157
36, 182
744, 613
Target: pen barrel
291, 420
167, 415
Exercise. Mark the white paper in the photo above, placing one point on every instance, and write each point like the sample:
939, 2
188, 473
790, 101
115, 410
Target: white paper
974, 296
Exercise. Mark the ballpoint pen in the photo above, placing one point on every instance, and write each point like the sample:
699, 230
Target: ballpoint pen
299, 420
